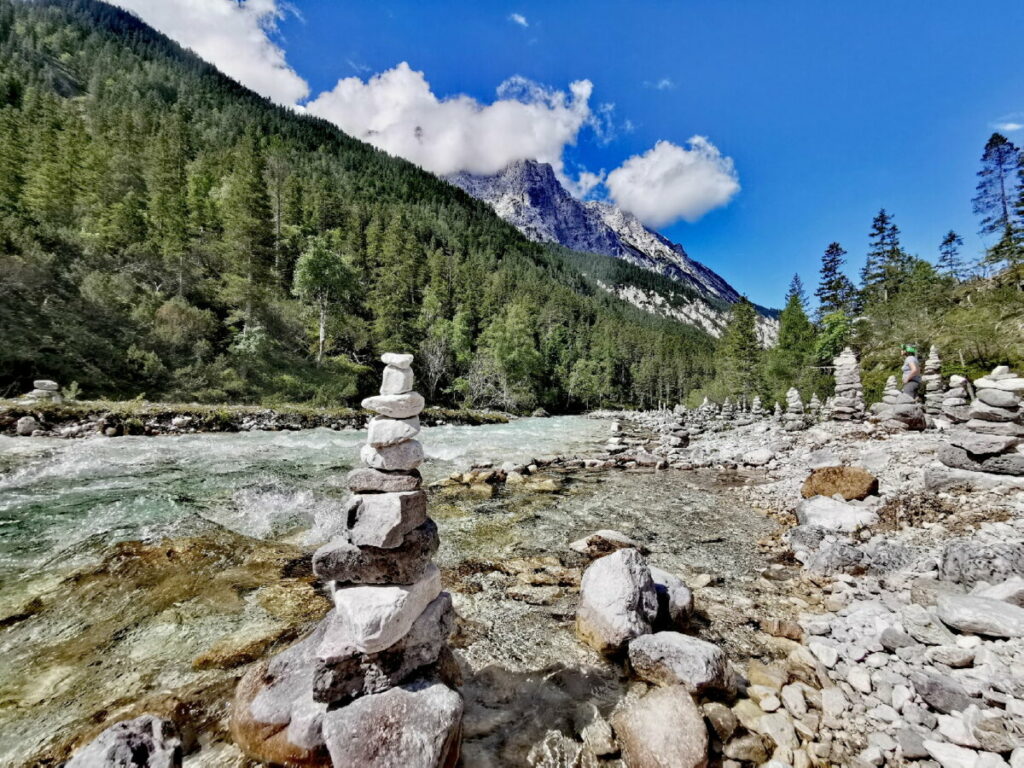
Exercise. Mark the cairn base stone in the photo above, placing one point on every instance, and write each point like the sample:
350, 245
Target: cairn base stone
416, 725
344, 562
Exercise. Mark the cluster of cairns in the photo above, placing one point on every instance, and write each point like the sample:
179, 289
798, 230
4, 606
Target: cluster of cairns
992, 439
931, 380
847, 404
898, 411
373, 684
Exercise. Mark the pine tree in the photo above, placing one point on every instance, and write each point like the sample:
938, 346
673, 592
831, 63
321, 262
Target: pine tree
323, 279
950, 264
788, 363
739, 353
997, 198
167, 184
12, 159
835, 290
887, 264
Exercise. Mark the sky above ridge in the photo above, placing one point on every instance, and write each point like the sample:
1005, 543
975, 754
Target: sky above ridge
752, 133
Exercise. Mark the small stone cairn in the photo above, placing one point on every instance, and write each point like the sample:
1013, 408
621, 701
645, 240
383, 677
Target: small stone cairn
956, 402
814, 408
898, 411
848, 402
756, 409
794, 419
992, 438
777, 412
932, 381
890, 393
44, 391
371, 685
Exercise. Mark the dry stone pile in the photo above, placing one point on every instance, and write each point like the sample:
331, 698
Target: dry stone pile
848, 402
956, 402
898, 411
932, 382
372, 685
794, 420
991, 440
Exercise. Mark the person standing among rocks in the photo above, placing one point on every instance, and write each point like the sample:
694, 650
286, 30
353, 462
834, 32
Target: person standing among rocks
911, 370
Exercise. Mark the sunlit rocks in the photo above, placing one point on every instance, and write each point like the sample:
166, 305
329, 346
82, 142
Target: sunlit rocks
672, 658
956, 400
145, 741
849, 482
618, 601
366, 684
663, 728
848, 402
931, 379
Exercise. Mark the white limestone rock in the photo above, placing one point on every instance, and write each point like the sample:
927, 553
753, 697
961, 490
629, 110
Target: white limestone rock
672, 658
617, 601
382, 431
833, 515
981, 615
383, 519
402, 456
403, 406
396, 381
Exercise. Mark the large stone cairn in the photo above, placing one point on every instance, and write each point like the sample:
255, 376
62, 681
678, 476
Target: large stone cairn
794, 419
956, 402
370, 685
898, 411
931, 379
993, 437
43, 390
848, 402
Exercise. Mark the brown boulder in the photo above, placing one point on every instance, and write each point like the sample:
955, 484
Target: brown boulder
850, 482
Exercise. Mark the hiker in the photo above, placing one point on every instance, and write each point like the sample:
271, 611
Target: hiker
911, 370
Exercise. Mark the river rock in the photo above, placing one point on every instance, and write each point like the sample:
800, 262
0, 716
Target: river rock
383, 519
26, 425
981, 615
833, 515
397, 360
675, 600
344, 562
672, 658
367, 480
145, 742
618, 601
966, 561
605, 542
396, 381
369, 619
663, 728
404, 456
395, 406
383, 431
415, 725
850, 482
360, 674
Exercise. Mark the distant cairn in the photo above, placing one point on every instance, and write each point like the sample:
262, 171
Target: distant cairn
932, 382
794, 419
848, 402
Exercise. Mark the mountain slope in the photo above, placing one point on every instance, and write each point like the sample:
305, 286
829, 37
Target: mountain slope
528, 195
153, 214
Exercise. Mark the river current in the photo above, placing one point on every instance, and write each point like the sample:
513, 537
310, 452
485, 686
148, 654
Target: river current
142, 574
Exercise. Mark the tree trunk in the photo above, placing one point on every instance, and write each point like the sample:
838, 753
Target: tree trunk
323, 334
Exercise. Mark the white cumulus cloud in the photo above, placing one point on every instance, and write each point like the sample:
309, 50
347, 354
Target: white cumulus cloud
1009, 126
670, 182
518, 18
232, 35
398, 112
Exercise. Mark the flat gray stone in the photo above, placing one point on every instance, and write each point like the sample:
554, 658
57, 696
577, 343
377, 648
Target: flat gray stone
942, 694
47, 385
145, 742
344, 562
403, 456
985, 412
367, 480
1009, 591
383, 431
981, 615
999, 398
983, 445
396, 359
995, 428
383, 519
403, 406
671, 658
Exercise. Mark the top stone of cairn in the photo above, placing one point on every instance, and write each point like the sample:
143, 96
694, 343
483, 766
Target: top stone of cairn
397, 360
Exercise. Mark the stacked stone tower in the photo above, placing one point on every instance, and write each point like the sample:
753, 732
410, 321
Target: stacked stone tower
956, 402
794, 419
371, 685
990, 440
756, 409
848, 402
814, 408
931, 379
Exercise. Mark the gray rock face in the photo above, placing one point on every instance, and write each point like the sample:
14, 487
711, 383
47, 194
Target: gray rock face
360, 674
981, 615
344, 562
367, 480
967, 562
145, 742
675, 600
26, 425
416, 725
617, 601
671, 658
663, 728
383, 519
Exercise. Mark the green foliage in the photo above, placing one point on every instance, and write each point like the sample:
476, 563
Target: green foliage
739, 356
792, 362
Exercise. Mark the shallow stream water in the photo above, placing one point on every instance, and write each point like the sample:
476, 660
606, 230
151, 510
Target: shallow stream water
143, 574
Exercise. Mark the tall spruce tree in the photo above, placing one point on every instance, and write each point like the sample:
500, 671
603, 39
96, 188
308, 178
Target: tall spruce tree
835, 292
740, 372
887, 264
322, 279
999, 199
789, 363
950, 264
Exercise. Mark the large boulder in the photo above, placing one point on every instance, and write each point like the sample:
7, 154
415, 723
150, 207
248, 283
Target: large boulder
618, 601
965, 561
849, 482
26, 426
663, 729
671, 658
981, 615
145, 742
833, 515
416, 725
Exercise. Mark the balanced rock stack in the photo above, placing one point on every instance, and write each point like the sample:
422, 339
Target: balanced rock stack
848, 402
756, 409
956, 402
794, 419
932, 381
43, 390
370, 685
898, 411
814, 408
777, 412
993, 438
890, 393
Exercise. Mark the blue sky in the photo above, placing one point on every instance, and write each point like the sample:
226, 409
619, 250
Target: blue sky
828, 110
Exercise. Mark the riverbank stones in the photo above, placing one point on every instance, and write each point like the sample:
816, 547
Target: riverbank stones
618, 601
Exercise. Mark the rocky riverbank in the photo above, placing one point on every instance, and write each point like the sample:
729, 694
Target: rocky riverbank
88, 418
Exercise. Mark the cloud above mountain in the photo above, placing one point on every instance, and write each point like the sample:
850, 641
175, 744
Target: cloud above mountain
236, 37
669, 182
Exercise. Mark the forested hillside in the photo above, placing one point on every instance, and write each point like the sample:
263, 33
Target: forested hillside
165, 232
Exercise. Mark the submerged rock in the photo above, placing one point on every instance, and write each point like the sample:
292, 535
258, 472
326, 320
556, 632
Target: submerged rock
605, 541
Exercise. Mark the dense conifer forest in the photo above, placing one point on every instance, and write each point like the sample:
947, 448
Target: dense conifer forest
167, 233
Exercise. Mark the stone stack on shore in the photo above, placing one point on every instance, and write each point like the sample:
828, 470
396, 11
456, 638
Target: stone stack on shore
43, 391
756, 409
814, 408
957, 400
848, 402
898, 411
931, 381
992, 440
794, 419
372, 685
777, 412
890, 392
